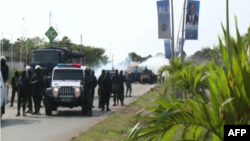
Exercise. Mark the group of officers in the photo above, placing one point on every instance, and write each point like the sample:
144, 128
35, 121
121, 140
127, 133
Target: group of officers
106, 86
31, 89
31, 86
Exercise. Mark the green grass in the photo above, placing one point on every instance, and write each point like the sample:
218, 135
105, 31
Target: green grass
120, 123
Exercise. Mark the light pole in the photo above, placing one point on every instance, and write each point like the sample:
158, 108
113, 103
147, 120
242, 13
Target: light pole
81, 48
172, 15
2, 45
20, 51
110, 49
182, 34
11, 61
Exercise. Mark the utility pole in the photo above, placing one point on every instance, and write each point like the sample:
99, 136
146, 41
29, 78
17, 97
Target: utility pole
172, 13
81, 47
182, 34
49, 18
112, 61
2, 45
111, 57
11, 61
227, 36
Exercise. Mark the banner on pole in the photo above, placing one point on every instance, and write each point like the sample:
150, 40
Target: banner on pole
167, 49
179, 47
192, 20
164, 28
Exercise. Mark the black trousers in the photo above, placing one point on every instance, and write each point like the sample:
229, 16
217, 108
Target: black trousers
129, 88
100, 97
14, 91
92, 95
121, 94
105, 98
29, 99
22, 95
89, 101
37, 97
116, 95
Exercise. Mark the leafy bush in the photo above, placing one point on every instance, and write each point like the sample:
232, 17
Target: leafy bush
228, 94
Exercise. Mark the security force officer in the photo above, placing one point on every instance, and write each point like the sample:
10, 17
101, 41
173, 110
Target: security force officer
14, 84
128, 84
23, 85
106, 86
38, 82
87, 91
29, 92
99, 81
115, 87
121, 87
94, 84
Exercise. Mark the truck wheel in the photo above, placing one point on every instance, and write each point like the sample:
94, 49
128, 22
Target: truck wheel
2, 110
48, 107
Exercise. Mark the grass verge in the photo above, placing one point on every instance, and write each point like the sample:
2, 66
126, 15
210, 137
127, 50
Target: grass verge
119, 122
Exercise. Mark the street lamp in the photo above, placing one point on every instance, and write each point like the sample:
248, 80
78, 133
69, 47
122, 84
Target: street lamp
20, 51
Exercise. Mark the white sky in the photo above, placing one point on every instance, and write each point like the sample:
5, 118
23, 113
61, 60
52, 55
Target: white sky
129, 25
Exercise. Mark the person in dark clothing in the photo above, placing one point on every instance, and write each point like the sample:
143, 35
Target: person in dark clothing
129, 86
94, 84
23, 85
99, 82
106, 86
115, 87
121, 87
4, 69
29, 92
87, 91
38, 84
14, 84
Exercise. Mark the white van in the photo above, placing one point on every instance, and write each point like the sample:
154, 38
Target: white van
4, 94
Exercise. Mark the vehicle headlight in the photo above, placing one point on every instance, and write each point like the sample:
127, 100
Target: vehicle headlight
77, 90
55, 90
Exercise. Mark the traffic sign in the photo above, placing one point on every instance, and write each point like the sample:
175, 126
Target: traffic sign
51, 34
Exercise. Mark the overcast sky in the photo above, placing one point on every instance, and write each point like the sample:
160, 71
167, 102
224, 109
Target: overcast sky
129, 25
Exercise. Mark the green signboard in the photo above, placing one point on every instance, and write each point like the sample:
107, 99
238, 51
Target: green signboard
51, 34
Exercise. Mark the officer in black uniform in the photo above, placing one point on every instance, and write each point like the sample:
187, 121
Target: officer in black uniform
115, 87
38, 82
94, 84
106, 86
121, 87
30, 92
87, 91
23, 85
14, 84
4, 69
128, 84
99, 82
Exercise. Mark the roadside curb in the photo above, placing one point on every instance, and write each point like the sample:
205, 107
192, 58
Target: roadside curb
112, 112
102, 118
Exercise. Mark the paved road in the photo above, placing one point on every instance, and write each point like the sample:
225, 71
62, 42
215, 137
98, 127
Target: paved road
62, 126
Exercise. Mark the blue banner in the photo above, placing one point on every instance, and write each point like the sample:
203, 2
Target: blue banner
192, 20
179, 47
167, 49
164, 28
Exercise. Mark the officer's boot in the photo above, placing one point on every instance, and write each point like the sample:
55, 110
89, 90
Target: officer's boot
108, 108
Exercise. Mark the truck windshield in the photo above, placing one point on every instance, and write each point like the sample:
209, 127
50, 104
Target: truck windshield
68, 74
44, 58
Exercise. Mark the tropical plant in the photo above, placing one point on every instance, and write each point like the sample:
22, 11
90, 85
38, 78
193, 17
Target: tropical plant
229, 96
192, 79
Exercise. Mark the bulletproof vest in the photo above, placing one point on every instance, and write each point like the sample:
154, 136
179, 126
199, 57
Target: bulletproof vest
23, 83
116, 79
40, 80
